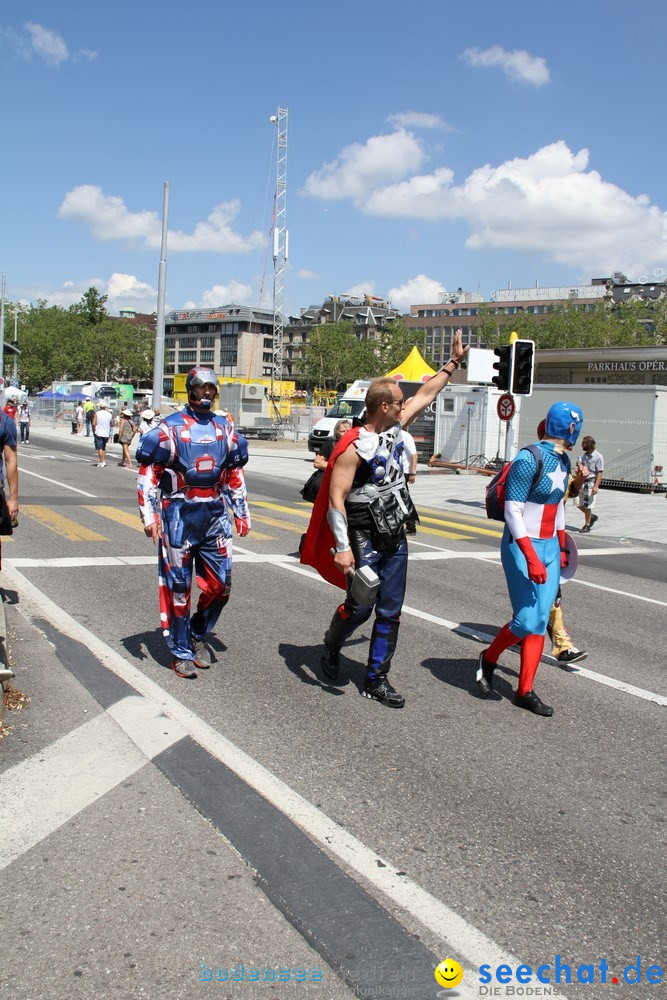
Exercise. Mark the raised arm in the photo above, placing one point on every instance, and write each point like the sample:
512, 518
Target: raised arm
427, 392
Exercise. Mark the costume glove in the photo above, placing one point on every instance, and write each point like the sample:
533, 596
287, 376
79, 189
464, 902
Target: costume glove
536, 569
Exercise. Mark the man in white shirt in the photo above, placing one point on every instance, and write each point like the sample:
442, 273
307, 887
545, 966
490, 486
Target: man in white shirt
592, 464
102, 423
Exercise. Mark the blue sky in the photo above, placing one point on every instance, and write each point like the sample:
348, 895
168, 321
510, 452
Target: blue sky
432, 144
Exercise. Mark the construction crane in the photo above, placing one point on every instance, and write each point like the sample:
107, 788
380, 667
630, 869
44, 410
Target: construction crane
280, 245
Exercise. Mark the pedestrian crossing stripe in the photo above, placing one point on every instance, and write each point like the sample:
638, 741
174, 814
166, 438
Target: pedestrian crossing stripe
63, 526
274, 522
421, 530
457, 524
276, 506
119, 516
66, 527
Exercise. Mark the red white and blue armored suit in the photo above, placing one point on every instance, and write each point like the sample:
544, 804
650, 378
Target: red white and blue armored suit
189, 466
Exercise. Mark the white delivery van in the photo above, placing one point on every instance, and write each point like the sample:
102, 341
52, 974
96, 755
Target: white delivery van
351, 404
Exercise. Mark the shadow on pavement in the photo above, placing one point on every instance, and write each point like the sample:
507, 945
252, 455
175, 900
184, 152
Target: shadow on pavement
461, 674
299, 657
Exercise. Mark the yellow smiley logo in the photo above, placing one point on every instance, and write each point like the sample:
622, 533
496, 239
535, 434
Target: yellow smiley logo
449, 973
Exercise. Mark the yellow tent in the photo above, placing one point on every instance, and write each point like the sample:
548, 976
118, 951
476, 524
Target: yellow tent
412, 369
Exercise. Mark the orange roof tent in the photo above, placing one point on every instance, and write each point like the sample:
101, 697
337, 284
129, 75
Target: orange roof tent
412, 369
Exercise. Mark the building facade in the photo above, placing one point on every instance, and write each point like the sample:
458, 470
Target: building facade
368, 314
236, 341
602, 366
439, 321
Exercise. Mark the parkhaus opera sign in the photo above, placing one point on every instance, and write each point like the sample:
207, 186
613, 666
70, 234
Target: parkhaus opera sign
627, 366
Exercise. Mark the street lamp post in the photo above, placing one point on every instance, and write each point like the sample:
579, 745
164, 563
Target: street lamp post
158, 365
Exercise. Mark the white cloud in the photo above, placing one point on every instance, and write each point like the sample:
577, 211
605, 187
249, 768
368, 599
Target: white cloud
305, 275
359, 290
359, 168
128, 290
519, 64
418, 119
121, 289
108, 218
418, 289
47, 44
549, 202
222, 295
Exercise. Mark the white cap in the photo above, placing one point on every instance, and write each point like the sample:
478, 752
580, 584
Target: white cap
102, 404
148, 415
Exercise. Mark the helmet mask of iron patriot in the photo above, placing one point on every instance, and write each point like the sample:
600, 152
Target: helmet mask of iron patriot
197, 377
564, 420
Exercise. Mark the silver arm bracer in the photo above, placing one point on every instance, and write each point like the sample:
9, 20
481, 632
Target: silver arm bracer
338, 524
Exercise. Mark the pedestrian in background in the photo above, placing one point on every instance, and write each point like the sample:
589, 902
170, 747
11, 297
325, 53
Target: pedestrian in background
126, 431
146, 422
592, 464
11, 408
102, 424
312, 486
9, 469
24, 423
89, 412
79, 419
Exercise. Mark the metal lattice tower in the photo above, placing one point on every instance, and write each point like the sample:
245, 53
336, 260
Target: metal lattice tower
280, 241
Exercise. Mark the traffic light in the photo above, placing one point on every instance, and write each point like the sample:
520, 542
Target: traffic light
523, 360
503, 367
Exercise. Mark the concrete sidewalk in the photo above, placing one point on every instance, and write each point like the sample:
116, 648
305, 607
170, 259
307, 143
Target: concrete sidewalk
621, 515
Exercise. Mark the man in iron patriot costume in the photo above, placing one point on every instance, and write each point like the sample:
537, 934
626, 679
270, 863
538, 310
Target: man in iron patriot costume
189, 465
533, 551
358, 521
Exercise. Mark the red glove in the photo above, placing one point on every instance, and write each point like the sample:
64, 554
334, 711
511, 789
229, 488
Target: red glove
536, 569
564, 554
242, 526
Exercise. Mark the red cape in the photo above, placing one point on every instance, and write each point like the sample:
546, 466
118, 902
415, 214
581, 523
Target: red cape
319, 539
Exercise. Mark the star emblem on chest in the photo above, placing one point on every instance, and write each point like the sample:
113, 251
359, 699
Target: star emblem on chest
558, 478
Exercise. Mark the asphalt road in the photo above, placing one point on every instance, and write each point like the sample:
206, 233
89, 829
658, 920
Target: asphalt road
542, 835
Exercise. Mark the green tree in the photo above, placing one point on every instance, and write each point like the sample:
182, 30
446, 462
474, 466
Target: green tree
58, 343
567, 326
92, 306
334, 356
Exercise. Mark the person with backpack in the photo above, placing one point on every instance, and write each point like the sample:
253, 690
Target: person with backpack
533, 549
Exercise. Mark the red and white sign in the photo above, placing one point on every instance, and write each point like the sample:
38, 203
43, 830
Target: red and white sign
506, 406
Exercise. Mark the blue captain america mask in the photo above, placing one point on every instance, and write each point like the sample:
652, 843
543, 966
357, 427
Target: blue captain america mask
560, 420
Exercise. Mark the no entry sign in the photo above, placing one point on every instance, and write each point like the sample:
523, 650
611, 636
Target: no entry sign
506, 407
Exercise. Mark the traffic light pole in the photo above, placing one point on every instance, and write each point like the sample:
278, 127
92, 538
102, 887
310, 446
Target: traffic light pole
510, 445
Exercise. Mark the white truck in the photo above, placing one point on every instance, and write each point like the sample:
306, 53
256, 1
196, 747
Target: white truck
628, 423
349, 405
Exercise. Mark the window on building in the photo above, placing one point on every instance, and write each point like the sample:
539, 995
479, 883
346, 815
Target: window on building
187, 355
206, 356
207, 342
188, 342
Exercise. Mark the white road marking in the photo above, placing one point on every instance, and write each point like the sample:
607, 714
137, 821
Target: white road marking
56, 482
454, 930
623, 593
42, 793
47, 790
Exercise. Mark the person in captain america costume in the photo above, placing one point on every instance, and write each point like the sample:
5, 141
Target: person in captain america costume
191, 469
533, 552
